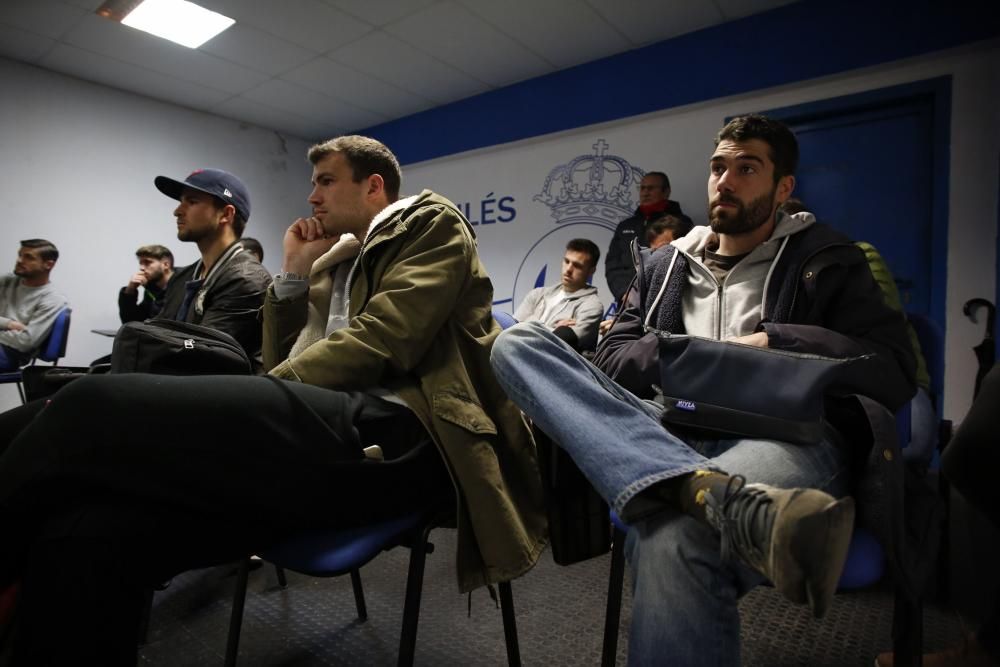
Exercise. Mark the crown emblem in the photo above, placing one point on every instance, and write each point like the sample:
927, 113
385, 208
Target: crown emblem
591, 187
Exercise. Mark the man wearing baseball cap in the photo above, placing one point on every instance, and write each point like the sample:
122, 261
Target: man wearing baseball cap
224, 289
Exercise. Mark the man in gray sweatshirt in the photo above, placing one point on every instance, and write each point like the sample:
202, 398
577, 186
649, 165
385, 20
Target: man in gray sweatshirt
28, 303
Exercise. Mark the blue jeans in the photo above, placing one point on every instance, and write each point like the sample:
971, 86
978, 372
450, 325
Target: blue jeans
684, 597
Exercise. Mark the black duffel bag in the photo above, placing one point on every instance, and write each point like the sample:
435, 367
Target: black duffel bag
579, 523
168, 347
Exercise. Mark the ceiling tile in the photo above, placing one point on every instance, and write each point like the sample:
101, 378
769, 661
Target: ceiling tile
309, 23
42, 17
392, 60
734, 9
250, 47
138, 48
647, 21
453, 34
22, 45
125, 76
331, 78
344, 64
541, 26
247, 110
279, 94
380, 13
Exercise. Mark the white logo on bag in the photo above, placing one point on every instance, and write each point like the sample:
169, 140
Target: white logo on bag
189, 343
686, 405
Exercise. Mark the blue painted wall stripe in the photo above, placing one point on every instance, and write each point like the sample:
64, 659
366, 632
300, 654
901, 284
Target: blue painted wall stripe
801, 41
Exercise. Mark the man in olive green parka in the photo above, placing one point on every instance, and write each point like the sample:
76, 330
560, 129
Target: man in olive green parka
415, 329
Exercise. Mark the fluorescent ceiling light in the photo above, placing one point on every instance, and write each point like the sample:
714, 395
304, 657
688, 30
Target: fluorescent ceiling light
178, 20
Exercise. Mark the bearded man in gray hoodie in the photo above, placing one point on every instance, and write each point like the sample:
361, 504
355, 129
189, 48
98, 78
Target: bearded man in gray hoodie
713, 515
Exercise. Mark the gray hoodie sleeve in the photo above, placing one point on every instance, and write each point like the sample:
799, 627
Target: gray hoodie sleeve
37, 328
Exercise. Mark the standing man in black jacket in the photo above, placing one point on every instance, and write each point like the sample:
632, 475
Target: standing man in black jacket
654, 200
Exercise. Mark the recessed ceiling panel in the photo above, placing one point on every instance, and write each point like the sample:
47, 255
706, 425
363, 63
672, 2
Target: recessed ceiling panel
110, 72
311, 24
280, 94
326, 76
382, 12
138, 48
451, 33
41, 17
257, 50
392, 60
543, 28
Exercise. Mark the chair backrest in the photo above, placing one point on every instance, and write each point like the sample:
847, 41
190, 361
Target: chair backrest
931, 339
505, 320
54, 346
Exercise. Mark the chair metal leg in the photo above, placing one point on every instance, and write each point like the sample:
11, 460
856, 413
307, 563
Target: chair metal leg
20, 392
612, 615
236, 618
907, 630
359, 595
509, 624
414, 588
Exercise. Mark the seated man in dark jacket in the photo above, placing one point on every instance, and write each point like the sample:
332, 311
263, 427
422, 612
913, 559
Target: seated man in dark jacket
712, 516
156, 268
224, 289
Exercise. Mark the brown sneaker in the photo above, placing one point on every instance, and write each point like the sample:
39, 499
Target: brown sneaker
797, 538
969, 654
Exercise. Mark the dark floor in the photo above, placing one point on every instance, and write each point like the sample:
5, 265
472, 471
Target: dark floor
560, 616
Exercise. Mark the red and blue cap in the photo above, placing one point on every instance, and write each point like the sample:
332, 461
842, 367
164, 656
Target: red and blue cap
215, 182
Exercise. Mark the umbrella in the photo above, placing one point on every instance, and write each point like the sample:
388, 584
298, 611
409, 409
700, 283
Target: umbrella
986, 350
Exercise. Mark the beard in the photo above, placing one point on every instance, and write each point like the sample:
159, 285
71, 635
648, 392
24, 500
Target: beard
193, 234
746, 218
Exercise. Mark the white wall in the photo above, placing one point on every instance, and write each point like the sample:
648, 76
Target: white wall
77, 162
678, 141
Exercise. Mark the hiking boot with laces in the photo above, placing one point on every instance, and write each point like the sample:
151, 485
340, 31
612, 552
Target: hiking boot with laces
797, 538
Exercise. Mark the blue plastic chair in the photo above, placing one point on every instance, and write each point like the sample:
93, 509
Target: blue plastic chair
332, 553
505, 320
53, 349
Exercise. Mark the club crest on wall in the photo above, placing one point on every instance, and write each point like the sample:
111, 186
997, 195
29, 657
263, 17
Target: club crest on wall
587, 197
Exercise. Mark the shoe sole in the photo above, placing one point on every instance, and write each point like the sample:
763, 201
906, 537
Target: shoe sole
834, 525
810, 547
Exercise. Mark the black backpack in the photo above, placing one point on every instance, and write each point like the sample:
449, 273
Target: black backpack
168, 347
